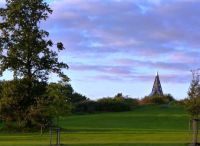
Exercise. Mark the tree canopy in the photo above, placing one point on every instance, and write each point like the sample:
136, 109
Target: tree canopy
27, 51
24, 46
193, 101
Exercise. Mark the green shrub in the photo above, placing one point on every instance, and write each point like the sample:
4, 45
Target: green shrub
157, 99
106, 105
86, 106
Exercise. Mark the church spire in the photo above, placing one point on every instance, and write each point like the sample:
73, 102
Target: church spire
157, 88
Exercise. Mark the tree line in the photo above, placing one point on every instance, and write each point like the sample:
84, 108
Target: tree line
50, 102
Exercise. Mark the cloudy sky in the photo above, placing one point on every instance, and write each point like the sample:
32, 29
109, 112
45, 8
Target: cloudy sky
118, 45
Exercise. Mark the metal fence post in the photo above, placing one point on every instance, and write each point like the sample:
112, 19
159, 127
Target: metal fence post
50, 131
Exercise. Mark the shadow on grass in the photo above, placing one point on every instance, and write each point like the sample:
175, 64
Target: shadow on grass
128, 144
124, 131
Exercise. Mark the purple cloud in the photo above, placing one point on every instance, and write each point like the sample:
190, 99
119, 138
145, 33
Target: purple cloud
127, 40
118, 70
122, 26
127, 72
174, 66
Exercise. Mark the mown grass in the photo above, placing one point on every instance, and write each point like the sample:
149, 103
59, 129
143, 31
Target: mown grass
143, 118
144, 126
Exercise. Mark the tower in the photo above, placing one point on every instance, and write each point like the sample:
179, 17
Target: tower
157, 88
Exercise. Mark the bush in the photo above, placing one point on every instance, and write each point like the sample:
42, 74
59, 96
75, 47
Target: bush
86, 106
18, 111
106, 105
157, 99
131, 102
111, 105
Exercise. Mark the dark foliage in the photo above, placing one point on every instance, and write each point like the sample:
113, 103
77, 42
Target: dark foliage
116, 104
26, 50
157, 99
77, 98
87, 106
112, 106
16, 106
193, 100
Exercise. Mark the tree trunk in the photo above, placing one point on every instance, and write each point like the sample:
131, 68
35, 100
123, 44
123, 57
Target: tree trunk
41, 129
195, 131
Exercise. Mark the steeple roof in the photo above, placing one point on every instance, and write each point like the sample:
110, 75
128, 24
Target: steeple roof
157, 88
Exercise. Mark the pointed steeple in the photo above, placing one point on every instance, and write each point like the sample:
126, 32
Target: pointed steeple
157, 88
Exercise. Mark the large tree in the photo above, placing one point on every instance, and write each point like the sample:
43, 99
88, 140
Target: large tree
26, 50
25, 47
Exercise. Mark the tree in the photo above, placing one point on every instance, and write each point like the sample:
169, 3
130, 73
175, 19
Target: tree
77, 98
13, 102
42, 114
119, 96
26, 50
193, 104
193, 101
58, 94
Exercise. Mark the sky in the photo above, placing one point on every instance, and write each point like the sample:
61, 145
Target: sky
117, 46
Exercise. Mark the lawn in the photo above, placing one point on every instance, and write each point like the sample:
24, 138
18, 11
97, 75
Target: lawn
144, 126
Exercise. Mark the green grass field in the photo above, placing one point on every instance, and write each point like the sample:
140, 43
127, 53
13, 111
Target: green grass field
144, 126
